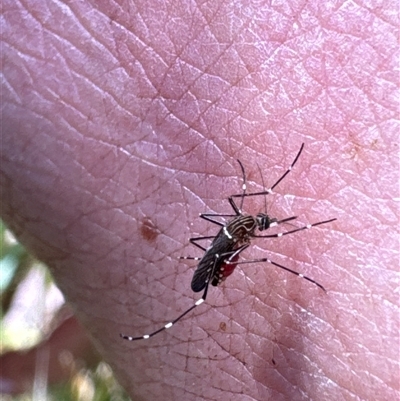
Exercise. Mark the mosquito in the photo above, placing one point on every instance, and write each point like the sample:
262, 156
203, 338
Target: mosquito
222, 256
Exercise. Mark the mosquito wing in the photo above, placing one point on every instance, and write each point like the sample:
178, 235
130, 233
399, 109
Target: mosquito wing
212, 261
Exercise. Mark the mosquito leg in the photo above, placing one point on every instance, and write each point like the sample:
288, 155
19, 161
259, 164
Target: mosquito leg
208, 217
170, 324
268, 191
275, 222
284, 268
307, 227
236, 209
194, 241
290, 168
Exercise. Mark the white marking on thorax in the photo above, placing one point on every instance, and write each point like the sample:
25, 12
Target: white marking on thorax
226, 232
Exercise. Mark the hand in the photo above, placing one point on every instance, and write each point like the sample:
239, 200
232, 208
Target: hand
122, 122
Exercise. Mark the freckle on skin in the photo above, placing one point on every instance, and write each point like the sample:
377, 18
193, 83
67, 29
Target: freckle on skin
148, 230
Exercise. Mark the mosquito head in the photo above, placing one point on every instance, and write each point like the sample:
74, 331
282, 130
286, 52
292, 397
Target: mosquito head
264, 221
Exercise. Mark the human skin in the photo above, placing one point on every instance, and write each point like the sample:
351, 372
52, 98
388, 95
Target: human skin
122, 122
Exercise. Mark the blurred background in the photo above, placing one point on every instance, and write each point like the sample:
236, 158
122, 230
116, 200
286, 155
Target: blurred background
45, 353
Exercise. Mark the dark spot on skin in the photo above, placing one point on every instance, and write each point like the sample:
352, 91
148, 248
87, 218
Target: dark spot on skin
148, 230
222, 326
273, 362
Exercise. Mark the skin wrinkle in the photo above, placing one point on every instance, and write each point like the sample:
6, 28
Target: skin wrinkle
135, 56
86, 77
96, 87
24, 51
55, 34
148, 46
212, 103
76, 107
201, 73
10, 89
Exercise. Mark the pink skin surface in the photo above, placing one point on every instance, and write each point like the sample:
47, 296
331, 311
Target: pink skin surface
122, 122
